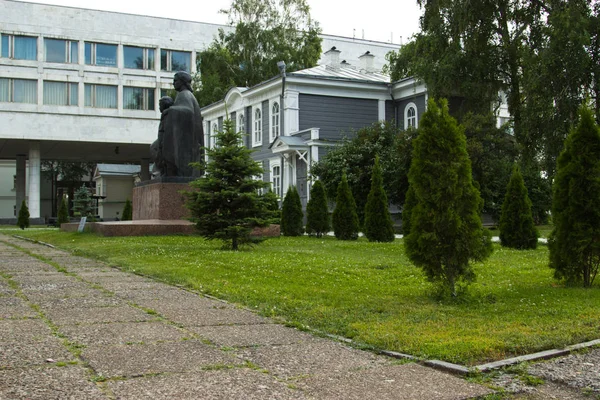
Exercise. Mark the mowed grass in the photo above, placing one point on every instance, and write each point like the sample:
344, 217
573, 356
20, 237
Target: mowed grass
369, 292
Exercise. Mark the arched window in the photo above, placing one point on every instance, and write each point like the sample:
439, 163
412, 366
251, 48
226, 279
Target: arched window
274, 121
411, 119
276, 179
257, 134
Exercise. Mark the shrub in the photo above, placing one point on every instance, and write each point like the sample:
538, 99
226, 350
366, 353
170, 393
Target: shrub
517, 229
82, 202
317, 211
378, 222
291, 214
344, 218
127, 211
23, 219
63, 213
272, 205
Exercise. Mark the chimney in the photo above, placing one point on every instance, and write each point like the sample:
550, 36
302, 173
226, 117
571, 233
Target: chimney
366, 62
332, 58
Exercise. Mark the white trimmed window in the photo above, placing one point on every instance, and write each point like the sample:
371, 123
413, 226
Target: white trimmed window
100, 96
276, 179
213, 135
136, 98
172, 60
411, 119
275, 121
61, 93
241, 124
257, 132
101, 54
61, 51
18, 47
18, 90
138, 57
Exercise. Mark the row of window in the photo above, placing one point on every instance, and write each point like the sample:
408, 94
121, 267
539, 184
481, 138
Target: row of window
100, 54
67, 94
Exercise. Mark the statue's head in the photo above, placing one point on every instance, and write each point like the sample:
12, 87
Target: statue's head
182, 80
164, 103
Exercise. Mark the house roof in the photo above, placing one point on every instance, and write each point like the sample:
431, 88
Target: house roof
117, 169
342, 73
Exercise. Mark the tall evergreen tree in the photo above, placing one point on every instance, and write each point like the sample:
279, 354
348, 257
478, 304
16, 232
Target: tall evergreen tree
272, 202
63, 213
23, 219
344, 219
82, 202
291, 214
317, 211
445, 226
517, 229
575, 241
127, 214
379, 226
226, 204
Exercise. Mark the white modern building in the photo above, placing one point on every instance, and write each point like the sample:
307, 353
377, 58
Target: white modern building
84, 85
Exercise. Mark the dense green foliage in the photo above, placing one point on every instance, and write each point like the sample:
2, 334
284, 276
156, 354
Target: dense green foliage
445, 222
127, 211
225, 204
82, 202
517, 229
378, 226
344, 219
63, 212
23, 218
575, 241
265, 32
291, 214
272, 202
355, 156
317, 211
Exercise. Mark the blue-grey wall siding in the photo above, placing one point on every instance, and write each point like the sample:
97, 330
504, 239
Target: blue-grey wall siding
401, 104
336, 115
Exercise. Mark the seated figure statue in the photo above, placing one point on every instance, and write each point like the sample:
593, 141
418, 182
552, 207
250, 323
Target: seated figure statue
183, 134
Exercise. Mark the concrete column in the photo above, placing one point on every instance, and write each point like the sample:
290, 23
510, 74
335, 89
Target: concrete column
145, 172
34, 179
20, 184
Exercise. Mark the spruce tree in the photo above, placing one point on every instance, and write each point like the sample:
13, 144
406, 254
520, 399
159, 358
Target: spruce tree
226, 203
378, 222
63, 213
23, 219
272, 203
317, 211
575, 241
445, 223
517, 229
82, 202
291, 214
344, 219
127, 214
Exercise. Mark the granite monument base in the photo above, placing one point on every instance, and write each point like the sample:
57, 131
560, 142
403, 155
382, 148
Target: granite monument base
160, 199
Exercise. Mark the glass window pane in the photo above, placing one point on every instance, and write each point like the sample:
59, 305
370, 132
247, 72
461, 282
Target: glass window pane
106, 54
150, 104
106, 96
132, 98
88, 94
74, 95
25, 91
55, 93
163, 60
55, 50
25, 48
4, 89
4, 45
88, 53
133, 57
150, 58
74, 52
180, 61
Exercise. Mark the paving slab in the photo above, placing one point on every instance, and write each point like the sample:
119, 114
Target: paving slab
69, 382
24, 353
221, 314
29, 267
392, 382
232, 384
49, 283
137, 359
130, 285
317, 356
94, 315
24, 329
42, 296
100, 300
5, 289
251, 335
171, 293
123, 333
15, 307
182, 302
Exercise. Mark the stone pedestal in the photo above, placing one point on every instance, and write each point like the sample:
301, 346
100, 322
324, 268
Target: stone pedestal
160, 199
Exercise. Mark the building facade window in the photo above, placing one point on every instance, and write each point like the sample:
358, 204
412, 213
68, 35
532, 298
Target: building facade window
213, 136
138, 57
61, 93
18, 90
19, 47
101, 54
171, 60
276, 179
136, 98
257, 133
275, 121
61, 51
411, 119
241, 124
100, 96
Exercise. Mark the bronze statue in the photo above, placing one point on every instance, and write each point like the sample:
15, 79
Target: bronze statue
181, 135
156, 152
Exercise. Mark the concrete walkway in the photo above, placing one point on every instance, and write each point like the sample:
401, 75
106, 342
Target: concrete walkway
72, 328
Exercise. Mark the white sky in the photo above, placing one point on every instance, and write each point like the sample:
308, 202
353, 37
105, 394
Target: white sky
379, 19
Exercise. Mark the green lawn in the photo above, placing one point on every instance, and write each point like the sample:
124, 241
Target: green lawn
368, 292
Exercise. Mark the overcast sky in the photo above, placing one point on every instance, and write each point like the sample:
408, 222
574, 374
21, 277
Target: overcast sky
379, 19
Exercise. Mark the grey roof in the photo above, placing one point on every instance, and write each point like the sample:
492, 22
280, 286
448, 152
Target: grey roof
343, 72
118, 169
